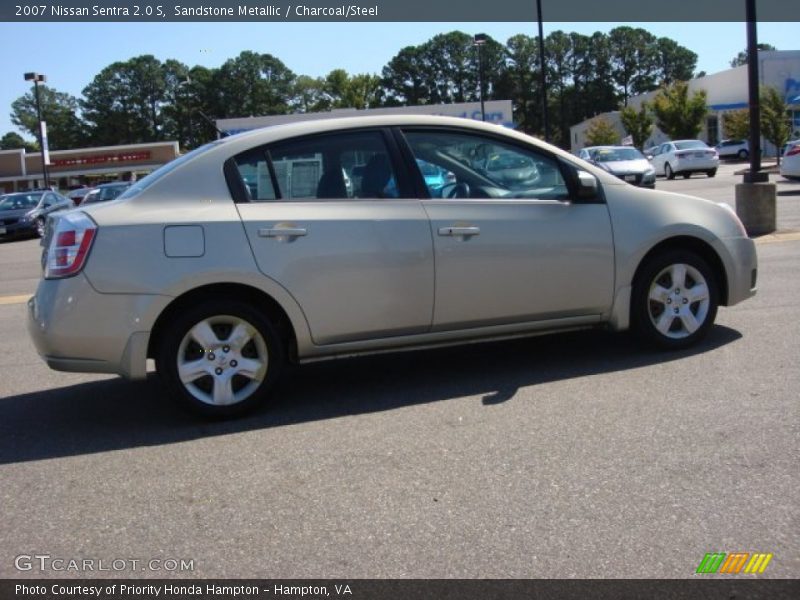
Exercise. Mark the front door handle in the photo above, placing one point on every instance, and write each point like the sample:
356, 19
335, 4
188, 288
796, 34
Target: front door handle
460, 231
277, 232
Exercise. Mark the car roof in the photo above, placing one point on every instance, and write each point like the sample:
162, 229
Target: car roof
265, 135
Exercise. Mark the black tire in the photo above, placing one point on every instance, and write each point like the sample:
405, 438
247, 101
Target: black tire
213, 391
647, 314
668, 172
742, 154
711, 173
687, 175
40, 227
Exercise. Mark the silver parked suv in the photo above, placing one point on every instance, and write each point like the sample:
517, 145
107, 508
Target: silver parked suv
323, 238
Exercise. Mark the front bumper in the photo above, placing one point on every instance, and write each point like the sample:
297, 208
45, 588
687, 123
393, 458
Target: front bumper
742, 269
77, 329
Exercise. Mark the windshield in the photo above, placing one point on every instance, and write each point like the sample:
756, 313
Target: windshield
617, 154
690, 145
19, 201
146, 182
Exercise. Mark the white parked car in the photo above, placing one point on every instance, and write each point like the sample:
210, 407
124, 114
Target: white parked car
685, 157
790, 163
733, 149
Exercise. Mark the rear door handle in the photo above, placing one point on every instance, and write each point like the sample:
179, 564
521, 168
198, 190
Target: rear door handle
283, 232
459, 231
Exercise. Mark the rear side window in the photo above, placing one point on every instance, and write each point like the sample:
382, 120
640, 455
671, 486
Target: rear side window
345, 165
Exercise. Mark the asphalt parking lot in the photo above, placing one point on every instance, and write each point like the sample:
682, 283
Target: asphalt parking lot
577, 455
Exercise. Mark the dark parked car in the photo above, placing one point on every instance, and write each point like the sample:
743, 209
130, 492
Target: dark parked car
25, 213
105, 192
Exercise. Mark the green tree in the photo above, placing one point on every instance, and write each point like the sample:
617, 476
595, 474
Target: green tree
736, 124
123, 104
404, 77
519, 82
253, 84
308, 94
775, 124
13, 140
677, 114
675, 63
65, 129
602, 133
634, 60
741, 58
637, 123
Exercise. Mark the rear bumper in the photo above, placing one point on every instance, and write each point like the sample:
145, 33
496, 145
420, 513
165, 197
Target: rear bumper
77, 329
695, 165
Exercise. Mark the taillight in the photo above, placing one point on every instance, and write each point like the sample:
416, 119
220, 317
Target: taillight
69, 246
793, 150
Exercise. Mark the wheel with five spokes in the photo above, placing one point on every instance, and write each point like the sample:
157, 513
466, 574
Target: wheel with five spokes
220, 358
675, 299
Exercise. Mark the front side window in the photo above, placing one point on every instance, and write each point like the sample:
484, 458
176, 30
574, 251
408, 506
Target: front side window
484, 167
349, 165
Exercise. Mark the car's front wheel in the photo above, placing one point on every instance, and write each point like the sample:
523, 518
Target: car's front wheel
220, 358
675, 299
40, 227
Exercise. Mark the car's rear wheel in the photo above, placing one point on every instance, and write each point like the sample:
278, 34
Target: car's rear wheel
687, 175
742, 154
40, 227
220, 358
675, 299
711, 172
668, 172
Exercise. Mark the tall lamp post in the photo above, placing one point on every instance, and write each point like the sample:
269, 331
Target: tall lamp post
38, 78
756, 197
480, 40
542, 78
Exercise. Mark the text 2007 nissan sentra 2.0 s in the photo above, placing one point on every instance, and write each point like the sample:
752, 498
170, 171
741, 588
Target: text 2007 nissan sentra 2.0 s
322, 238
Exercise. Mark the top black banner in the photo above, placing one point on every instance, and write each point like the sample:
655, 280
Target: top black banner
395, 10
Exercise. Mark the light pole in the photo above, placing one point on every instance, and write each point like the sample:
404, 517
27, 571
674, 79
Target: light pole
755, 174
480, 40
38, 78
542, 78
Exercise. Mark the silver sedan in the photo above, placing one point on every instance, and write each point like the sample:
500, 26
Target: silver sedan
323, 239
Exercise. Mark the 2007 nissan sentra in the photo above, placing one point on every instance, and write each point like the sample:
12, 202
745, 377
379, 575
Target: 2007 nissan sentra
322, 238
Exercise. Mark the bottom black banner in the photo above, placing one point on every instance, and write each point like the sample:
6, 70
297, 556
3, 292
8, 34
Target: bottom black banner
403, 589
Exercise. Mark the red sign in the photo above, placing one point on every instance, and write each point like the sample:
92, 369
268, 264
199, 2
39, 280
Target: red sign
95, 159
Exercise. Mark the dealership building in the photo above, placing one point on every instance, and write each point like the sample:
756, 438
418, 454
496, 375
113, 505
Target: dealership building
725, 91
20, 170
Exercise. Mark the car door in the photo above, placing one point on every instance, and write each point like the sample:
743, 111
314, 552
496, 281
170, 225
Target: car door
331, 218
510, 245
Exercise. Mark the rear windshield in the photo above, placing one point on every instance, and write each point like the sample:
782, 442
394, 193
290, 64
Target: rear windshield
690, 145
146, 182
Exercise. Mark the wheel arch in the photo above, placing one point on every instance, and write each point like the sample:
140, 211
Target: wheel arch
258, 298
699, 247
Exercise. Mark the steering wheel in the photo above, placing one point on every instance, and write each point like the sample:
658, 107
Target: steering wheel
459, 190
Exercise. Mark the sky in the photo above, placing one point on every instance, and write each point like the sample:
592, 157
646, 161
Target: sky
71, 54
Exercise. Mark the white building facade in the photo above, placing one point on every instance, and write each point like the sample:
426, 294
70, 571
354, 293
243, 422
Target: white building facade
725, 91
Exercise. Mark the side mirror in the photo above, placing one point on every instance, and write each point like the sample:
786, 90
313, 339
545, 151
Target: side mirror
587, 186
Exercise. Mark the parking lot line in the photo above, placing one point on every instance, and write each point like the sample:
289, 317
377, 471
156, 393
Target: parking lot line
22, 299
